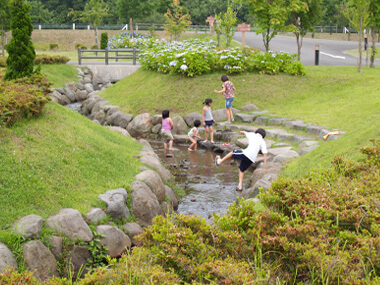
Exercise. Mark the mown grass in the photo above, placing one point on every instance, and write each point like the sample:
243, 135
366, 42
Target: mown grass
335, 97
60, 160
60, 74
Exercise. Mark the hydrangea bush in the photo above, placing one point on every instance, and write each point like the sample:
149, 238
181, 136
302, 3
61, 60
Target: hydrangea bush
196, 57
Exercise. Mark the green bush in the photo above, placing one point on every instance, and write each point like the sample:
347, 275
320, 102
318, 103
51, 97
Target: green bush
104, 40
22, 98
93, 47
77, 46
53, 46
48, 59
3, 61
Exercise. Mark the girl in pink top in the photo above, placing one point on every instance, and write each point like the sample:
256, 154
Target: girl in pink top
166, 130
228, 91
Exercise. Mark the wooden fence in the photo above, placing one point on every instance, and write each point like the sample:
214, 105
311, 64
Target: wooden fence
106, 54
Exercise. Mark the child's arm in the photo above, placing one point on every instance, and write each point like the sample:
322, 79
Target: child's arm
203, 115
221, 91
242, 132
171, 123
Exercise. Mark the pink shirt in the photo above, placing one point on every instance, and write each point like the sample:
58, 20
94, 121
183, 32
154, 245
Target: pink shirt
166, 124
229, 93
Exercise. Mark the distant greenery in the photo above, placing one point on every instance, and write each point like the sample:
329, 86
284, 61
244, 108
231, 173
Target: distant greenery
61, 160
335, 97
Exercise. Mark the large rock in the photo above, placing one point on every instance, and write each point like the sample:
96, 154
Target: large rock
261, 172
30, 226
249, 107
56, 245
282, 158
114, 239
95, 215
38, 257
116, 203
244, 117
156, 119
6, 258
120, 130
56, 97
265, 182
190, 118
70, 223
179, 125
145, 205
132, 230
172, 197
81, 95
156, 128
306, 150
89, 87
100, 117
70, 94
140, 126
153, 180
78, 259
119, 119
219, 115
155, 163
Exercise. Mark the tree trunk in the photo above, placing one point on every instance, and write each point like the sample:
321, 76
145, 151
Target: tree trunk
96, 36
373, 48
360, 41
349, 32
3, 35
299, 45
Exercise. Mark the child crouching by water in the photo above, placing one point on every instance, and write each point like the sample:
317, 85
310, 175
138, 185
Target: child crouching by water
193, 135
166, 130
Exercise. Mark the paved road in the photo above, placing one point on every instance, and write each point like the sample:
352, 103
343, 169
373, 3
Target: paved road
331, 52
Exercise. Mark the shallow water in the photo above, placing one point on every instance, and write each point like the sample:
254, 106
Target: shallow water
212, 187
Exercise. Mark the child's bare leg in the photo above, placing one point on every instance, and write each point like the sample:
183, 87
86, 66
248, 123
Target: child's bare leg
206, 134
228, 114
165, 145
211, 134
228, 156
241, 177
170, 144
194, 143
231, 114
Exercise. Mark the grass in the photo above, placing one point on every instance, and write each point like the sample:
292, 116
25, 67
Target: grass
60, 74
60, 160
364, 53
335, 97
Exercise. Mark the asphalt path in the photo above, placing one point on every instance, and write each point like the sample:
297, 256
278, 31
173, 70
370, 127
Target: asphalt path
333, 53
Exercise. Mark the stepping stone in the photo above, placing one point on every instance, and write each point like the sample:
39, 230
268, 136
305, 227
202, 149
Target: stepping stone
244, 117
278, 121
259, 113
299, 126
284, 136
308, 143
272, 133
249, 107
281, 145
314, 129
261, 120
307, 149
278, 151
298, 139
249, 129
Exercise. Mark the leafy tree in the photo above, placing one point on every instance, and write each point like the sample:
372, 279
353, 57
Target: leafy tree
176, 20
93, 13
5, 22
329, 10
373, 24
357, 11
270, 16
226, 22
39, 14
133, 9
20, 50
303, 16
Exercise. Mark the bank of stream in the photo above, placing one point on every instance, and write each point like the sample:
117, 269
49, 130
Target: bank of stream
209, 188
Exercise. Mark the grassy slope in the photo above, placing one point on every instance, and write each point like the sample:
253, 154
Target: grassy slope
60, 160
336, 97
60, 74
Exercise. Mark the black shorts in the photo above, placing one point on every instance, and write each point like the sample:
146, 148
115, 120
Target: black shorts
209, 123
245, 161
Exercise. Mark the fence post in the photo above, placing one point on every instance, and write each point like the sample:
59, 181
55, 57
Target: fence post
79, 56
73, 26
106, 55
134, 56
117, 56
316, 59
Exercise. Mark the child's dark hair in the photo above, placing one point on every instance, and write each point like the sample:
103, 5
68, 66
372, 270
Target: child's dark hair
224, 78
165, 114
207, 101
197, 123
261, 132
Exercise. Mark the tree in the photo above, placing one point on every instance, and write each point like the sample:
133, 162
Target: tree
104, 40
21, 54
5, 23
270, 18
357, 11
93, 13
176, 20
373, 24
303, 16
39, 14
226, 22
133, 8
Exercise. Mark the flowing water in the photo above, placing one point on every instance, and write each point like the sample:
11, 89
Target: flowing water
209, 188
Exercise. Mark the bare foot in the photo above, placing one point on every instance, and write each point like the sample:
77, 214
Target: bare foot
189, 149
212, 141
205, 141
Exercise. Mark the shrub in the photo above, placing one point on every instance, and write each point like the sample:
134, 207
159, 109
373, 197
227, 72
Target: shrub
77, 46
93, 47
3, 61
22, 98
47, 59
104, 40
53, 46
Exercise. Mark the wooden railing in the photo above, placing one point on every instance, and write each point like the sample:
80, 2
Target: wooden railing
124, 53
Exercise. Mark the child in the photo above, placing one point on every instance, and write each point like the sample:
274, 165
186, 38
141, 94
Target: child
193, 134
208, 120
167, 126
228, 90
247, 156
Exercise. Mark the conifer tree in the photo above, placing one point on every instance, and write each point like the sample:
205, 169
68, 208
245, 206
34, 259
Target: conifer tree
21, 54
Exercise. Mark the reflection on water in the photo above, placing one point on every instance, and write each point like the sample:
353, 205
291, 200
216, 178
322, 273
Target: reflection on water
209, 188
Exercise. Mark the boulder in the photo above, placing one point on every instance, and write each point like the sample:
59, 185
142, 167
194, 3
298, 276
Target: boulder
284, 157
306, 150
265, 182
99, 116
167, 208
81, 95
181, 138
260, 173
155, 163
244, 117
308, 143
179, 125
72, 86
145, 205
70, 94
169, 193
119, 119
154, 182
249, 107
38, 258
140, 126
262, 120
70, 223
132, 230
190, 118
156, 128
56, 244
116, 203
99, 106
299, 139
78, 259
30, 226
226, 136
156, 119
114, 239
122, 131
277, 121
145, 143
219, 115
6, 258
110, 110
56, 97
89, 87
284, 136
95, 215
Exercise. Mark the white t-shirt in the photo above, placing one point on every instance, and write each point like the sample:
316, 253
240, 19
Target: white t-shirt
255, 144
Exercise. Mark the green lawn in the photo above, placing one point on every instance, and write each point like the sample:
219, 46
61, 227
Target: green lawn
335, 97
60, 160
60, 74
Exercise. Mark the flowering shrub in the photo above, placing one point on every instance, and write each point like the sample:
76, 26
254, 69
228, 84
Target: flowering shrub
196, 57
